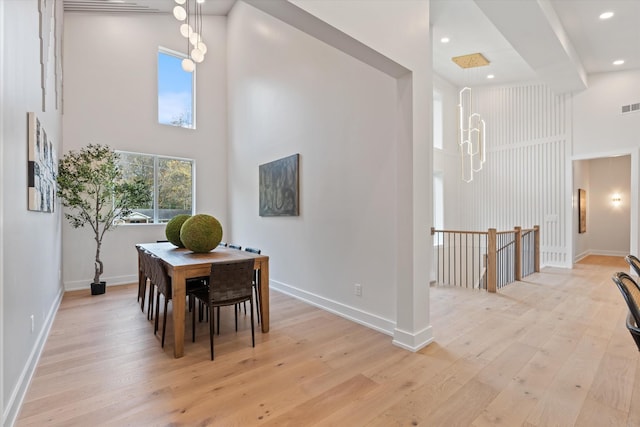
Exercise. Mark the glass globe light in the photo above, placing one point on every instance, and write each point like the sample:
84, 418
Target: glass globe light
186, 30
181, 1
202, 47
179, 13
197, 55
194, 38
188, 65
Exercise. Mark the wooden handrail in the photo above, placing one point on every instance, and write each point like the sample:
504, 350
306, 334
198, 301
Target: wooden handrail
502, 265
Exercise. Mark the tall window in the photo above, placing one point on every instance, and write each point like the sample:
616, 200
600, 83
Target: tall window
176, 106
437, 120
438, 201
171, 180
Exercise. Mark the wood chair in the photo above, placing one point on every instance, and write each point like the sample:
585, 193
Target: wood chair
238, 247
229, 284
634, 262
631, 293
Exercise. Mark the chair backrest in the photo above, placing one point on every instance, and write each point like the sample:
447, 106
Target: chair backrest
630, 292
231, 281
159, 276
634, 262
253, 250
238, 247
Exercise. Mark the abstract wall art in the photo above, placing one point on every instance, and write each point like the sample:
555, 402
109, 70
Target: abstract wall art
42, 168
279, 192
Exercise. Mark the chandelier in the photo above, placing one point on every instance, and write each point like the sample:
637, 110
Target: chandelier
471, 126
189, 12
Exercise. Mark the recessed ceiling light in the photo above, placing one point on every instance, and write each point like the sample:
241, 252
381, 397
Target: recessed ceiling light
490, 76
618, 62
606, 15
445, 40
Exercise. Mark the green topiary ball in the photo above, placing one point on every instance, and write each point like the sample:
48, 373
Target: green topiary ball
172, 231
201, 233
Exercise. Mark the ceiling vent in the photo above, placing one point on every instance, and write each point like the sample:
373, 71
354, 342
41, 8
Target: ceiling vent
631, 108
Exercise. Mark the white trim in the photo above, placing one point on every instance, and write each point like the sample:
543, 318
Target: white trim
413, 342
2, 145
19, 392
369, 320
77, 285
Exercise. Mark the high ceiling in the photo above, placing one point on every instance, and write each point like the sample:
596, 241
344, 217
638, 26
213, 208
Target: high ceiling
556, 41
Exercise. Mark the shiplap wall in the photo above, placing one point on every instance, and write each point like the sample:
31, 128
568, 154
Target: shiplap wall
524, 179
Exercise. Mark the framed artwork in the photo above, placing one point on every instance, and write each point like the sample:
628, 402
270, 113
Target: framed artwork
42, 168
279, 192
582, 211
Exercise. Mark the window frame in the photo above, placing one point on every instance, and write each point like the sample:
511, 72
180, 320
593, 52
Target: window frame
156, 162
180, 55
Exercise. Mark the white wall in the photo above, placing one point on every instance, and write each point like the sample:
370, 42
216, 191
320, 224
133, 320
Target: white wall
111, 98
290, 93
600, 130
447, 160
609, 225
30, 252
599, 125
409, 44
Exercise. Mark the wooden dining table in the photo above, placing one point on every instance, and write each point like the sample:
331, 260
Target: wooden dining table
183, 264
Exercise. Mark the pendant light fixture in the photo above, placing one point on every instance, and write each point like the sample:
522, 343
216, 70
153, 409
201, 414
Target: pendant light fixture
189, 12
471, 126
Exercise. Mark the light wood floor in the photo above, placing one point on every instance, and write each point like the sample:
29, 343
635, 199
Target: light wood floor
550, 351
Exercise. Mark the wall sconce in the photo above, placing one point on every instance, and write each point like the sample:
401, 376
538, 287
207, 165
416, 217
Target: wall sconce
616, 199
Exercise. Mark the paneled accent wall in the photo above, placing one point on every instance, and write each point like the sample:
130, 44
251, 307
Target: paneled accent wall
524, 180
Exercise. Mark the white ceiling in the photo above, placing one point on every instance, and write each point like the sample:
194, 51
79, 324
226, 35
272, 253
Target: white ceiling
596, 43
556, 41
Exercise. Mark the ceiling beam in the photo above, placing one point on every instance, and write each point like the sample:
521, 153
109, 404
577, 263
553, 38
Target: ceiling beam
535, 32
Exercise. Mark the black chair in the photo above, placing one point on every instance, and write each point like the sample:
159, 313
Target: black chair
634, 262
229, 284
631, 293
256, 284
161, 279
238, 247
142, 276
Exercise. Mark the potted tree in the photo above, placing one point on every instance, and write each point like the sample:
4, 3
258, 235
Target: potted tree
91, 187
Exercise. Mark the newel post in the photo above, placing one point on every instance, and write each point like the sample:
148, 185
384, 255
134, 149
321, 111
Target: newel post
492, 277
518, 256
536, 253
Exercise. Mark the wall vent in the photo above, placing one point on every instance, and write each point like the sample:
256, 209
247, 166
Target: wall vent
631, 108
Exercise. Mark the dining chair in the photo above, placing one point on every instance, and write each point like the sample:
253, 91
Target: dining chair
223, 244
230, 283
256, 284
142, 276
631, 294
634, 262
238, 247
162, 281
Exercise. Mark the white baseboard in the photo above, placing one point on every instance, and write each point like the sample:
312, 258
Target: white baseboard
369, 320
413, 342
111, 281
19, 392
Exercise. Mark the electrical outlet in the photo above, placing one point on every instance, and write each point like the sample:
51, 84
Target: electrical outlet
33, 323
357, 289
